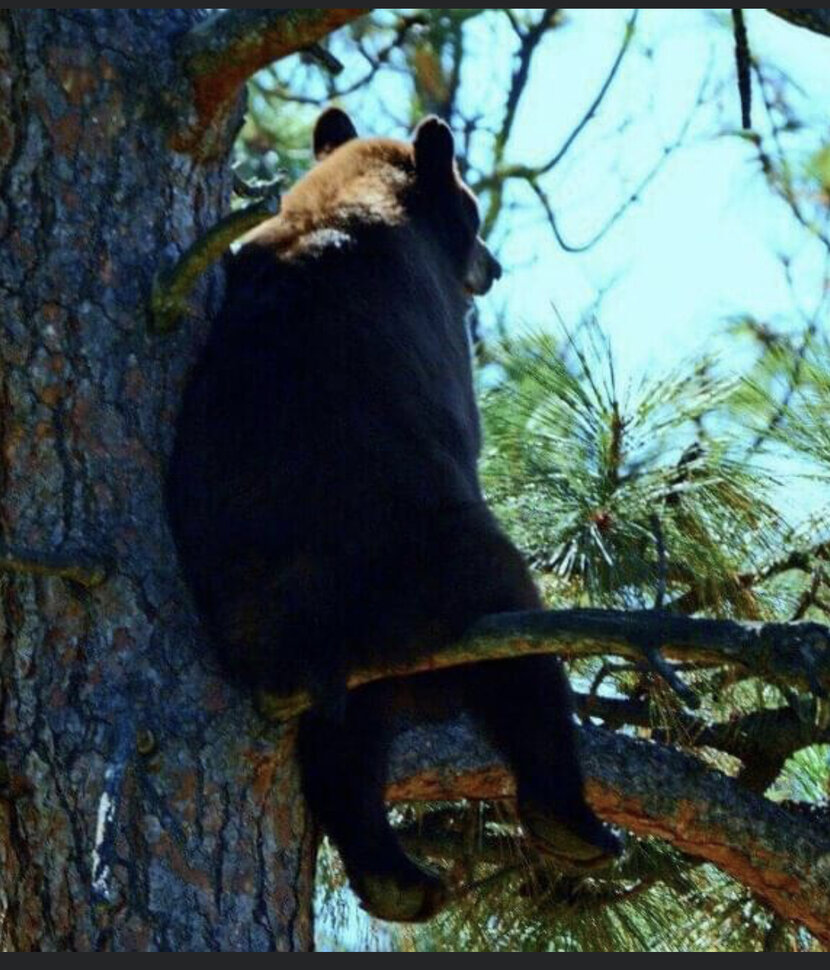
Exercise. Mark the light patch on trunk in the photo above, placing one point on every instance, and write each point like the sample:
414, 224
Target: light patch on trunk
101, 870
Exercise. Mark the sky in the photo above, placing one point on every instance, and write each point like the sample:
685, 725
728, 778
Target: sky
703, 243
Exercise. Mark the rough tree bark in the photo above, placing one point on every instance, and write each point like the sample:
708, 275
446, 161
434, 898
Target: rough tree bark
783, 856
141, 806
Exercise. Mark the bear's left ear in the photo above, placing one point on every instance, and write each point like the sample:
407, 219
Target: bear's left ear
334, 127
434, 151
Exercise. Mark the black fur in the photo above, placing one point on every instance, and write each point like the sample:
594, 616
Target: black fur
325, 500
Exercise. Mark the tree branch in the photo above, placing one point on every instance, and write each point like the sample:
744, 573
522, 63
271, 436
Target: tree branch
494, 182
222, 52
174, 284
818, 21
763, 740
743, 59
779, 855
694, 599
793, 653
375, 60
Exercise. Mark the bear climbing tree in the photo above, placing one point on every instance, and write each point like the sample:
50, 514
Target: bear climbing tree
144, 804
325, 499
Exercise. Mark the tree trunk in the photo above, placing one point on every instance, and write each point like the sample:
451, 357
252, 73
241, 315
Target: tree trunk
141, 804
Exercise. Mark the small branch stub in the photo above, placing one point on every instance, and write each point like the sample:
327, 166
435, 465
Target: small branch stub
75, 566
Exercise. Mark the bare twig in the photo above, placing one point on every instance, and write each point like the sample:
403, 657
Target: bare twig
782, 185
810, 596
258, 188
662, 566
653, 659
632, 197
528, 42
327, 60
375, 61
628, 36
798, 559
500, 174
532, 177
793, 382
742, 63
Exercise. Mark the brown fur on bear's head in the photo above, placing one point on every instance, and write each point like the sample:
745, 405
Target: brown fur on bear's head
360, 182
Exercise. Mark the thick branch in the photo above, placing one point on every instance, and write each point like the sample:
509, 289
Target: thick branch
221, 53
816, 20
650, 790
763, 739
793, 653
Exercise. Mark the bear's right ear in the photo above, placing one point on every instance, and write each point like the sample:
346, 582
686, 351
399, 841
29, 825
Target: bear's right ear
434, 151
334, 127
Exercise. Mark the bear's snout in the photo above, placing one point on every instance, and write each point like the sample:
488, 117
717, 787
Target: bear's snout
483, 271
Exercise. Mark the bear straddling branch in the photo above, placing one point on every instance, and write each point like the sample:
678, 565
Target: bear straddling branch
325, 500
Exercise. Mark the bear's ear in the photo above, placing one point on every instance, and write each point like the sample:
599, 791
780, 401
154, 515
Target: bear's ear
334, 127
434, 150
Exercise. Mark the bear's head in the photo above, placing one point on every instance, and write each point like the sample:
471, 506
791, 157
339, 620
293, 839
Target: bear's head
362, 182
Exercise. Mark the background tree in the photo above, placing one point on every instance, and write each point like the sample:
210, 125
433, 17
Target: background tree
143, 803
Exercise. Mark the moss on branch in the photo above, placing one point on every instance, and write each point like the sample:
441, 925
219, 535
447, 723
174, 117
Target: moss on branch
76, 566
173, 285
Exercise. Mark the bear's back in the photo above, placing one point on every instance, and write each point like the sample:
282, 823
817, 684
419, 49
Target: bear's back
335, 387
323, 486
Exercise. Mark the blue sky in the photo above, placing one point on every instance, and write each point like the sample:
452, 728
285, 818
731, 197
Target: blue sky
704, 241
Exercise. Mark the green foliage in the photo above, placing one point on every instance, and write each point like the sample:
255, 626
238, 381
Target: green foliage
802, 424
591, 480
806, 776
275, 137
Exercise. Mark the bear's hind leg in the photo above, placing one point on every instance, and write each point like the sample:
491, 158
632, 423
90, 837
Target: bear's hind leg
525, 705
343, 763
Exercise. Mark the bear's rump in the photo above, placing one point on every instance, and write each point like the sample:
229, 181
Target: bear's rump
391, 599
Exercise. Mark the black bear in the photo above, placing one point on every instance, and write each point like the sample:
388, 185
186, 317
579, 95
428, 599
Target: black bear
324, 497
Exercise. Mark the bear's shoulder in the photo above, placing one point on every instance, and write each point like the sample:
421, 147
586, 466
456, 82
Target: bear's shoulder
365, 183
